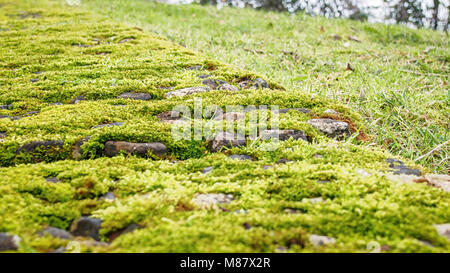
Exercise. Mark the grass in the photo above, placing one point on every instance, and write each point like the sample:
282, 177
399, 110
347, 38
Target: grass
75, 52
403, 73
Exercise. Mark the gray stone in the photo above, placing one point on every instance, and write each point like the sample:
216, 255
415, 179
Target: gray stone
125, 40
323, 181
319, 240
3, 134
195, 67
32, 146
86, 227
315, 200
77, 151
6, 107
108, 125
55, 233
283, 135
57, 103
187, 91
169, 116
8, 242
134, 96
227, 87
207, 170
219, 85
260, 83
330, 112
399, 168
332, 128
240, 157
227, 140
52, 179
78, 99
283, 161
211, 199
34, 80
113, 148
443, 230
257, 83
285, 110
439, 181
109, 196
292, 211
204, 76
213, 83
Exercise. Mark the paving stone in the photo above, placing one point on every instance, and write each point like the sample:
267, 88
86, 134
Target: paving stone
240, 157
86, 227
134, 96
78, 99
55, 233
207, 170
283, 135
113, 148
187, 91
108, 125
443, 230
319, 240
77, 151
32, 146
227, 140
332, 128
211, 199
8, 242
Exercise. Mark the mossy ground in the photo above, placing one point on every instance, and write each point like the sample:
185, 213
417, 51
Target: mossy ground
78, 53
403, 72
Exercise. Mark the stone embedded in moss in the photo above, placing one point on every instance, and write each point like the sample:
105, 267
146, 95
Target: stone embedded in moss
196, 67
108, 125
32, 146
134, 96
443, 230
319, 240
212, 199
439, 180
77, 99
240, 157
52, 179
8, 242
399, 168
169, 116
283, 135
86, 227
285, 110
77, 152
3, 134
332, 128
207, 170
6, 107
187, 91
113, 148
125, 40
227, 140
55, 233
257, 83
330, 112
